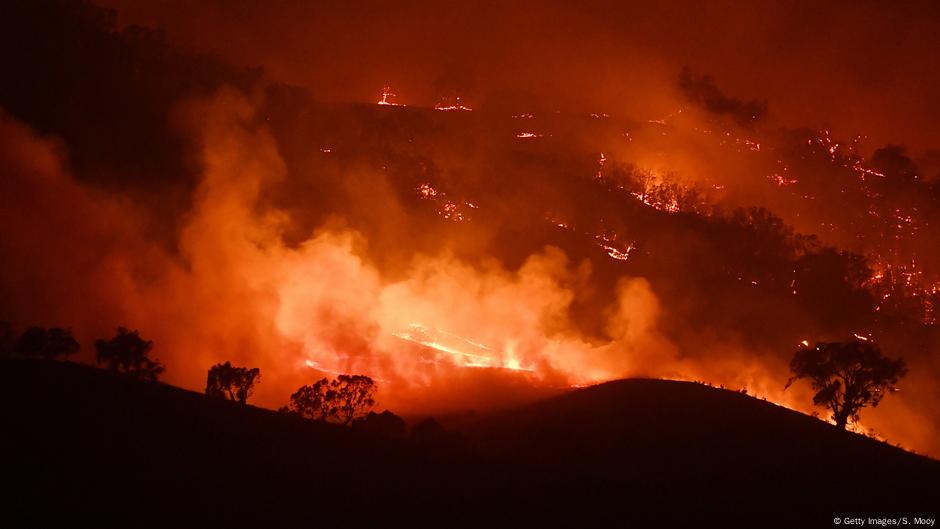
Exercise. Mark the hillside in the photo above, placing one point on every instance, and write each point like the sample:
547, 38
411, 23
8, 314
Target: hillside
214, 196
82, 443
710, 449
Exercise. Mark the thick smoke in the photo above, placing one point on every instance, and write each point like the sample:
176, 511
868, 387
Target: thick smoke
307, 244
236, 292
446, 334
703, 91
72, 255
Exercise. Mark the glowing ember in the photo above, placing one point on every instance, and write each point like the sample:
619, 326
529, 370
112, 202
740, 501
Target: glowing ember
663, 120
600, 167
667, 204
617, 254
781, 180
450, 211
386, 95
447, 209
427, 191
456, 104
608, 240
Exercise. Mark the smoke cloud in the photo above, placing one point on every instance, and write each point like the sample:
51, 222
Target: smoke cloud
236, 292
460, 262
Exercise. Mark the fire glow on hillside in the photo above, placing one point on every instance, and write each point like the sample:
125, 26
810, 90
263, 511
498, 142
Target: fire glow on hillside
557, 204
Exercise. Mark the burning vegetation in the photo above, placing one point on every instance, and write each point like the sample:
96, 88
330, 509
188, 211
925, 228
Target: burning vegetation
467, 250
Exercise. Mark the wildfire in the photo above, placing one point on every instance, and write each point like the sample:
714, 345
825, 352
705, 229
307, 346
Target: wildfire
607, 242
663, 120
781, 180
313, 364
427, 191
456, 104
850, 160
386, 95
892, 284
667, 204
600, 167
617, 254
457, 348
447, 208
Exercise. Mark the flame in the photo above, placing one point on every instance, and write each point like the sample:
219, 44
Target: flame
386, 94
456, 104
781, 180
457, 347
327, 304
447, 208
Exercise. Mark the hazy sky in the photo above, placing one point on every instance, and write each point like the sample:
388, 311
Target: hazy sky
856, 67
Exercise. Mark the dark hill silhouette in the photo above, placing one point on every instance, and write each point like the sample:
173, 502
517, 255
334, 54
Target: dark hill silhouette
710, 449
93, 446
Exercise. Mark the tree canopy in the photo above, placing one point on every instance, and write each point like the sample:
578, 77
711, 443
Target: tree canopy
49, 344
847, 376
128, 353
340, 400
226, 381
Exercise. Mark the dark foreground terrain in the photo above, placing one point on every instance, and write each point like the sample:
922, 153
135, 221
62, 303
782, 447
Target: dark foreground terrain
86, 446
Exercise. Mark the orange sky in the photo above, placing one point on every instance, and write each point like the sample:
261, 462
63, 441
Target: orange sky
854, 68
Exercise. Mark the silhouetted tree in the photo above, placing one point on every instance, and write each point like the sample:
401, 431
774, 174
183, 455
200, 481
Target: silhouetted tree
233, 383
847, 376
386, 424
342, 399
354, 395
313, 401
37, 342
128, 353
